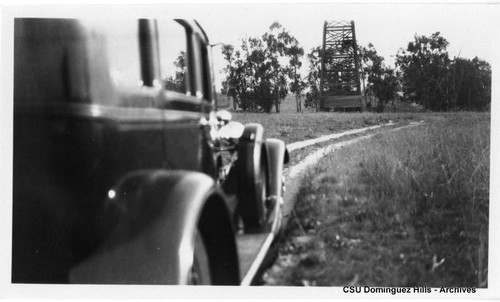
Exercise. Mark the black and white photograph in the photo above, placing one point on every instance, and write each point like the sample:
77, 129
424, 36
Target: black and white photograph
332, 150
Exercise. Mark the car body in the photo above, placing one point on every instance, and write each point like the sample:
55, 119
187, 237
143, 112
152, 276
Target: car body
125, 171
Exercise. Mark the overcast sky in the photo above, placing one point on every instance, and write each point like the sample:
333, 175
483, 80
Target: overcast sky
471, 29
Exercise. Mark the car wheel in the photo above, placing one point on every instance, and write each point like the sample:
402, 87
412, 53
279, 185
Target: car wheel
200, 271
253, 196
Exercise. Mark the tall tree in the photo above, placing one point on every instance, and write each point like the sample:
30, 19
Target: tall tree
382, 80
258, 75
425, 64
313, 78
278, 41
432, 79
295, 53
236, 83
471, 83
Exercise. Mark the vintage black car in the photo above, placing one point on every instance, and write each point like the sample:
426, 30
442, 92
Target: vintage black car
125, 171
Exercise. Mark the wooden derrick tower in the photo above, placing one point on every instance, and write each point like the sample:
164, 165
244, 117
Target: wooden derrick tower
340, 84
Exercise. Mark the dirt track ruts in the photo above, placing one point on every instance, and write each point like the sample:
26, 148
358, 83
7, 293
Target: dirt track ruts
293, 175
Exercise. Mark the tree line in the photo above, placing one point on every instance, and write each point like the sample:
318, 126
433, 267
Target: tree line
261, 73
263, 70
430, 78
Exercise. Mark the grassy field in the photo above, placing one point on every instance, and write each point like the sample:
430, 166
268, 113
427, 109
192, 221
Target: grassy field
291, 126
404, 208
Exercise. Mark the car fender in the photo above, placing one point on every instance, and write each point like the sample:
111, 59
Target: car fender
150, 218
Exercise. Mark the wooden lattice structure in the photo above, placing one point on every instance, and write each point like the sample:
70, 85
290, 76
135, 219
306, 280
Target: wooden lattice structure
340, 84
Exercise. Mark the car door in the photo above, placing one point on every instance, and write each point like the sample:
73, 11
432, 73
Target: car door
187, 103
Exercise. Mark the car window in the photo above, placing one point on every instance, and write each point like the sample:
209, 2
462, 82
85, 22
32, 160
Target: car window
172, 48
123, 52
207, 81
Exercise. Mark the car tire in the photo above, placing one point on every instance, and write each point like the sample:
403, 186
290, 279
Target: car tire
253, 197
200, 271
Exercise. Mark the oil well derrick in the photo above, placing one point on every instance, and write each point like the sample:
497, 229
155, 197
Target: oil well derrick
340, 82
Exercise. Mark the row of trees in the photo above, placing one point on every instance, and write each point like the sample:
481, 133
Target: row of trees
430, 78
261, 73
264, 70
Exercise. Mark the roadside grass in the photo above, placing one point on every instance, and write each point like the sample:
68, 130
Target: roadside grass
406, 208
292, 127
298, 155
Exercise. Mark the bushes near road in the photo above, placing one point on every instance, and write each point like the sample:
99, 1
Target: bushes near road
406, 208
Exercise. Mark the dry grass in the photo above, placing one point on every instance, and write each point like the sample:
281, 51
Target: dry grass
402, 209
292, 127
